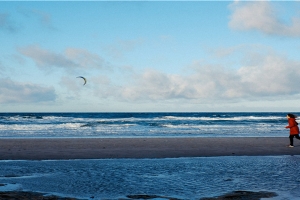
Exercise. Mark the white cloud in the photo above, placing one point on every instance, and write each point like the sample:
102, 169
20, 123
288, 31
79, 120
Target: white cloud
267, 77
84, 58
275, 76
262, 16
15, 92
71, 59
45, 58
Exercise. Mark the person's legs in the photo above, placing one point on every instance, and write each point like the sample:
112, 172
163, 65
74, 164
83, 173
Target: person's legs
291, 140
297, 136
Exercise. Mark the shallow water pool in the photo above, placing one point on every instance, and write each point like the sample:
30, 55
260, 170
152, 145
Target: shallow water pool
183, 178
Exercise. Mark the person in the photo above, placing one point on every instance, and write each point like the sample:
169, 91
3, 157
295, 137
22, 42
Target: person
294, 129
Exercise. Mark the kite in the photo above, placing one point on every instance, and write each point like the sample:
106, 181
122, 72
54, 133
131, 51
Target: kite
83, 79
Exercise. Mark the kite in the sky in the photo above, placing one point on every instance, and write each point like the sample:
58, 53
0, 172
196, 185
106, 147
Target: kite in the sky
83, 79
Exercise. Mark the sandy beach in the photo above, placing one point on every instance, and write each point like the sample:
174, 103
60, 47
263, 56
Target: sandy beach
97, 148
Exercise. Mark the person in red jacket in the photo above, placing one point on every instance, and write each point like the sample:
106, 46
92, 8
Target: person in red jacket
294, 129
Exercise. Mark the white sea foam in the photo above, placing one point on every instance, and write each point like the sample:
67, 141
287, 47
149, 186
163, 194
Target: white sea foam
215, 118
141, 124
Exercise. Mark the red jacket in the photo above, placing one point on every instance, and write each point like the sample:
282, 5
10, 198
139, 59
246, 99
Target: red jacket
293, 126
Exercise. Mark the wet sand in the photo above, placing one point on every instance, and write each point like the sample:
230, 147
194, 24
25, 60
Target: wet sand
97, 148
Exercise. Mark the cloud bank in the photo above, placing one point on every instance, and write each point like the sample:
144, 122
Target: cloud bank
14, 92
262, 16
268, 77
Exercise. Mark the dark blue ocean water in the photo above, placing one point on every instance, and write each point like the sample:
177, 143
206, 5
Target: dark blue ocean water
118, 125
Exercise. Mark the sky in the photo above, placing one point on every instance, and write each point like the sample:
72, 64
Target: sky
150, 56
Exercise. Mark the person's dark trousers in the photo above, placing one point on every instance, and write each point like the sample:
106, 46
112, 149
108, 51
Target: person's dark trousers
291, 139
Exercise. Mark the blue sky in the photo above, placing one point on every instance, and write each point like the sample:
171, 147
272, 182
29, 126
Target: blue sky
197, 56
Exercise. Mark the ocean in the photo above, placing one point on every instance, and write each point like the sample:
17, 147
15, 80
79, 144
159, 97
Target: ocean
122, 125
